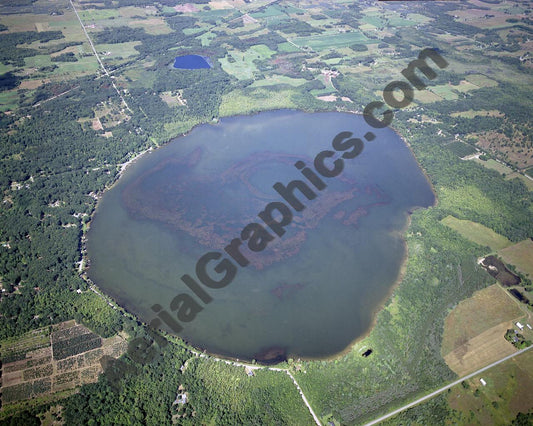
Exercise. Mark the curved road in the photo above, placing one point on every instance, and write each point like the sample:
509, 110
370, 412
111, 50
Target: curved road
444, 388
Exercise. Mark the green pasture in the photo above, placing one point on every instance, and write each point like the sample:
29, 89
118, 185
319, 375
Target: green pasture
124, 50
268, 12
477, 233
279, 79
8, 100
329, 41
445, 91
481, 80
98, 14
260, 99
287, 47
242, 63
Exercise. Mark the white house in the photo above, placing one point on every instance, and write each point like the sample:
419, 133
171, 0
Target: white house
520, 326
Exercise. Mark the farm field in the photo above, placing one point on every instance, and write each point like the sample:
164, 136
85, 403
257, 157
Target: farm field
461, 149
477, 233
471, 113
255, 100
481, 80
43, 363
328, 41
241, 64
519, 255
508, 391
279, 79
474, 330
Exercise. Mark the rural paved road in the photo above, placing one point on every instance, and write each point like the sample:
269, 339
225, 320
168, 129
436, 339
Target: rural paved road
444, 388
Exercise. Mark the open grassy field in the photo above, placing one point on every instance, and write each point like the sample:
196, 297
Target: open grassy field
445, 91
279, 79
260, 99
474, 331
495, 165
520, 255
481, 80
477, 233
482, 113
481, 350
241, 64
88, 15
426, 97
112, 51
329, 41
8, 100
508, 392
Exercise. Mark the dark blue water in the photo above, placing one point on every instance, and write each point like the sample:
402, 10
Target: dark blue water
311, 291
191, 62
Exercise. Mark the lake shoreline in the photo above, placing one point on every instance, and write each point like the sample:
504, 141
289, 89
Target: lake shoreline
401, 232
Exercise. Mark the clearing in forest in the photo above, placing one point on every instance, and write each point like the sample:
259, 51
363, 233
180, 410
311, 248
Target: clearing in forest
477, 233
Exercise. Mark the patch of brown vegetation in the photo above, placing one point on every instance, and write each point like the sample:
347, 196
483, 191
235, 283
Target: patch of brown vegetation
96, 124
186, 8
474, 331
481, 350
484, 310
516, 151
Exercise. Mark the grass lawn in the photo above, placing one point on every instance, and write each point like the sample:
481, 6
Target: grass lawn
477, 233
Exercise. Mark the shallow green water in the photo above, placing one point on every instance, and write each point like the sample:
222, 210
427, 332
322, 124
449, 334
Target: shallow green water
309, 292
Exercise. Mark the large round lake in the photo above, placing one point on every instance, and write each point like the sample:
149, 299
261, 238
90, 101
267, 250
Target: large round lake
308, 292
